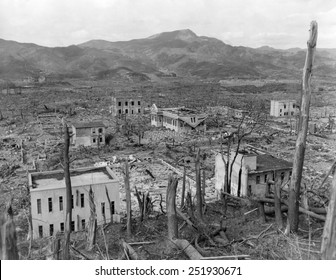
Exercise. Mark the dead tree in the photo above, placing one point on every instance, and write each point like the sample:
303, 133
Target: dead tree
128, 200
110, 205
171, 207
199, 205
203, 188
294, 189
145, 203
328, 248
68, 194
277, 203
92, 227
182, 244
8, 240
183, 187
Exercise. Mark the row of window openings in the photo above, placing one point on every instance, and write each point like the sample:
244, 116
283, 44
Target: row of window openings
94, 140
282, 176
126, 111
60, 203
100, 130
51, 226
126, 103
285, 106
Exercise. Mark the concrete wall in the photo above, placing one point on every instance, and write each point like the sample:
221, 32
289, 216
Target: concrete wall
85, 136
127, 106
283, 108
57, 216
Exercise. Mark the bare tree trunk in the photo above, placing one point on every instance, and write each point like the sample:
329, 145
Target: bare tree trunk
198, 187
261, 208
328, 248
277, 204
68, 219
110, 205
203, 188
183, 187
128, 200
92, 227
171, 207
189, 250
8, 240
294, 190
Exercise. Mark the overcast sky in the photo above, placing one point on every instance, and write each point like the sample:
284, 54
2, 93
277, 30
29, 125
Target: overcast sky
253, 23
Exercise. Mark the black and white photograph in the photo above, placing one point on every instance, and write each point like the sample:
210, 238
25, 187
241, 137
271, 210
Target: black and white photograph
141, 133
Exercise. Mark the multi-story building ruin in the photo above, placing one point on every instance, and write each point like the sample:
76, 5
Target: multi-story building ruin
283, 108
48, 199
180, 119
127, 106
252, 172
88, 134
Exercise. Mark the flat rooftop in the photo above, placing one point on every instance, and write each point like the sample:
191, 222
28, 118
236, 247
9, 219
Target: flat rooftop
79, 177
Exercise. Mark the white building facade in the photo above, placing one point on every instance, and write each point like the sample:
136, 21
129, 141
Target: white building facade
283, 108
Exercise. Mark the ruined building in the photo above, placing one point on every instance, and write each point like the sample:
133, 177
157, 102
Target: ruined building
48, 199
88, 134
127, 106
179, 119
281, 108
252, 172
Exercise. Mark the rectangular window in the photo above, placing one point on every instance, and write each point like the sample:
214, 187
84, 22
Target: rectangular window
39, 210
126, 111
112, 207
93, 140
119, 103
292, 113
83, 224
62, 227
119, 111
100, 130
265, 179
50, 204
72, 226
273, 177
100, 139
132, 103
139, 111
93, 130
82, 200
280, 110
103, 208
40, 229
258, 180
284, 106
126, 103
139, 103
282, 176
293, 106
132, 112
61, 203
51, 230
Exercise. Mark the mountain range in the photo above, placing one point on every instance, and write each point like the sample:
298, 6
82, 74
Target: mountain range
168, 54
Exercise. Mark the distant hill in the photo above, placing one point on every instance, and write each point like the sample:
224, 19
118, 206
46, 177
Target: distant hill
181, 52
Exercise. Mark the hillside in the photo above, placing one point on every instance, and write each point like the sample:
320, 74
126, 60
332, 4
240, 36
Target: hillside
181, 52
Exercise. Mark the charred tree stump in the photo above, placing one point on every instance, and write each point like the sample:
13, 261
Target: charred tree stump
328, 248
8, 240
261, 208
92, 227
277, 204
294, 189
171, 207
128, 200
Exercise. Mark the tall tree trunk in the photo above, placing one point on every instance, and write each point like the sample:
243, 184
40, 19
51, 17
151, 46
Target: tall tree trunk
68, 195
92, 227
203, 187
183, 187
277, 203
294, 190
171, 207
128, 200
328, 248
198, 187
110, 205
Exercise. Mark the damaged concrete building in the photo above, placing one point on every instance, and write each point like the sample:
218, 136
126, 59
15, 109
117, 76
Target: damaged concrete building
252, 172
48, 199
88, 134
179, 119
281, 108
127, 106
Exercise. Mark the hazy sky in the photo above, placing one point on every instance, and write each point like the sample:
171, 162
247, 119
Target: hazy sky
254, 23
